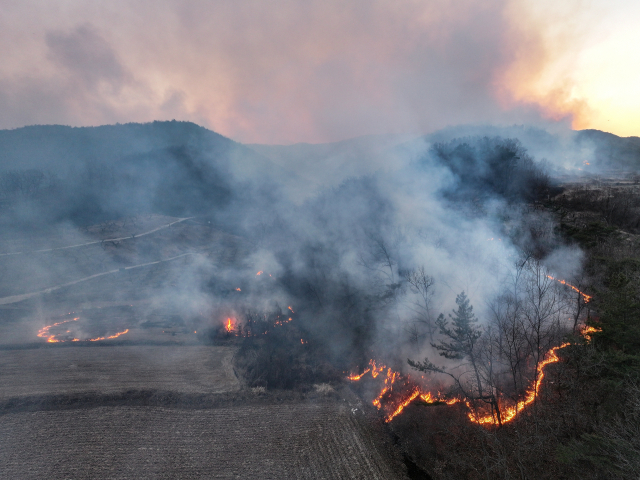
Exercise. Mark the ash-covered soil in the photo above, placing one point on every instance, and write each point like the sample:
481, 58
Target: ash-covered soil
108, 369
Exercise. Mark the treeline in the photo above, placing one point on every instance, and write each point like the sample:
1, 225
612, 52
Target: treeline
51, 174
174, 181
492, 166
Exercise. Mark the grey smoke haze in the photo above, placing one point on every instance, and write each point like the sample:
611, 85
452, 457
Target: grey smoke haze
281, 72
340, 253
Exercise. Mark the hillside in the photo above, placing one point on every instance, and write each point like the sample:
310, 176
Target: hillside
87, 175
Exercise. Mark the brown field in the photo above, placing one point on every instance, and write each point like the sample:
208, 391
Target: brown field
142, 411
108, 369
302, 440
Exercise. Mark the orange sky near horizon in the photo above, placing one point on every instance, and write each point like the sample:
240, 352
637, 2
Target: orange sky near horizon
591, 64
291, 71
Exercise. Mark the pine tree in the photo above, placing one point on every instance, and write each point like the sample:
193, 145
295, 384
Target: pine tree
458, 344
464, 333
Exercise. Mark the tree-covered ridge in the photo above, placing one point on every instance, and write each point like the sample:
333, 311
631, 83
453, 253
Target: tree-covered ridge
491, 166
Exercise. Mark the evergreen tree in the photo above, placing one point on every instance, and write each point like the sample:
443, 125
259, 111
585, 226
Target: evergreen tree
464, 333
458, 343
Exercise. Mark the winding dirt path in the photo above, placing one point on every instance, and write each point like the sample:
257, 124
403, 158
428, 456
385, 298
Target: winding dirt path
25, 296
99, 241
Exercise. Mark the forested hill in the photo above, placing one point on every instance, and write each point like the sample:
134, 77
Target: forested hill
58, 146
87, 174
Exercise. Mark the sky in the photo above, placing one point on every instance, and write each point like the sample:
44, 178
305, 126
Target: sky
288, 71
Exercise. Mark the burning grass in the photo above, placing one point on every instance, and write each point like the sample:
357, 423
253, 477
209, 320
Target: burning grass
398, 390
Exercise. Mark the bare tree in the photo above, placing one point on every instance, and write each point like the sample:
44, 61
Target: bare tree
541, 312
423, 285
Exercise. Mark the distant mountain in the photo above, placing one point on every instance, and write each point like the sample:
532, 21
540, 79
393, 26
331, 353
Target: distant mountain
611, 150
90, 173
562, 148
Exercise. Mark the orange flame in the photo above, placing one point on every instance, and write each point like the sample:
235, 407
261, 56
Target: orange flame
109, 337
586, 297
375, 370
259, 273
403, 404
44, 333
231, 325
507, 413
587, 331
356, 377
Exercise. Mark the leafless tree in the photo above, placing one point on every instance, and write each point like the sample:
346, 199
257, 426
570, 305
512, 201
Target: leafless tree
423, 285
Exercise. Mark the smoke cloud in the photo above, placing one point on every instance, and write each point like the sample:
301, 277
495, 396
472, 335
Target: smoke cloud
289, 71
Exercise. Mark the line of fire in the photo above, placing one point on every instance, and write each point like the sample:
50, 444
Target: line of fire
398, 390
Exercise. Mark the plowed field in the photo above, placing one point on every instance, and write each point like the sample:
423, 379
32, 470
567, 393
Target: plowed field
323, 440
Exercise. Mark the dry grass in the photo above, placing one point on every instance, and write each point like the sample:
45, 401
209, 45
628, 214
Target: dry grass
323, 388
105, 369
135, 410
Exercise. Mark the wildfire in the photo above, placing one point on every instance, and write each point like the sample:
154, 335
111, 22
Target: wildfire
587, 331
230, 325
44, 332
238, 290
51, 338
509, 413
403, 404
376, 370
586, 297
356, 377
393, 405
282, 322
259, 273
109, 337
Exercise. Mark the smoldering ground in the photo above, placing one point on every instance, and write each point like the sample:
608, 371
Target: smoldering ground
458, 211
